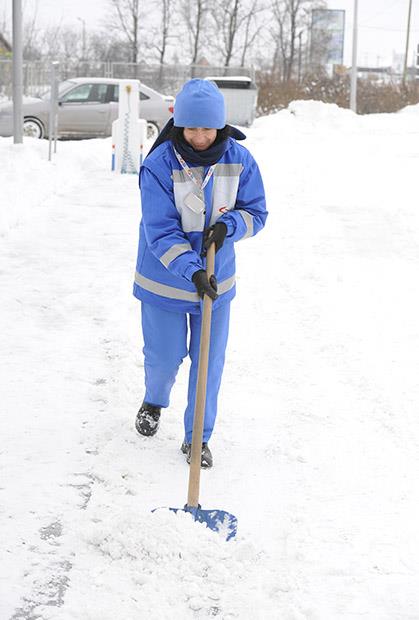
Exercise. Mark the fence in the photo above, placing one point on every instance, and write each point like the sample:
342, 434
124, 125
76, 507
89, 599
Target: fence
166, 79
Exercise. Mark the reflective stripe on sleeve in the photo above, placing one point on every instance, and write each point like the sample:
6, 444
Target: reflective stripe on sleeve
248, 220
177, 293
173, 252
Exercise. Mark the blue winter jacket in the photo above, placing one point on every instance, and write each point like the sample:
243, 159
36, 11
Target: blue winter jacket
171, 232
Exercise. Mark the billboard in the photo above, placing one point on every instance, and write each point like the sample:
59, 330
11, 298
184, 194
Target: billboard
327, 37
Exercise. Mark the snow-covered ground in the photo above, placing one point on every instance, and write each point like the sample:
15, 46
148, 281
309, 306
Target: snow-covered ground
317, 442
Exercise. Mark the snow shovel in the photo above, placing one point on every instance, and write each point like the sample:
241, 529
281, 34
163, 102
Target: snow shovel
217, 520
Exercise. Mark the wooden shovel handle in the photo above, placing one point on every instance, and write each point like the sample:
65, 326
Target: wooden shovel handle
201, 390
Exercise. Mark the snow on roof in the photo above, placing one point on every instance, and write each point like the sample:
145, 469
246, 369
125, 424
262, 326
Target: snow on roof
96, 80
232, 78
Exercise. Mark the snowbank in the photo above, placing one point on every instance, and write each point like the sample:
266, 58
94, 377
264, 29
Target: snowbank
28, 179
412, 110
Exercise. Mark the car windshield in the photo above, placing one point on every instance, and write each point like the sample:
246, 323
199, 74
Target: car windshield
62, 87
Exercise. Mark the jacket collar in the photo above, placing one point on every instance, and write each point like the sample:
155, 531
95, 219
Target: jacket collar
203, 158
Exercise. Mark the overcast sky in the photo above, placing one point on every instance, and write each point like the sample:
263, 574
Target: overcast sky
382, 23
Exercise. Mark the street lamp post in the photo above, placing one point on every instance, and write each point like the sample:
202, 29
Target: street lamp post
354, 70
409, 15
53, 111
17, 73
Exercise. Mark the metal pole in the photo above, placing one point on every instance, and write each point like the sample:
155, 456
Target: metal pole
409, 14
354, 70
17, 73
56, 78
52, 110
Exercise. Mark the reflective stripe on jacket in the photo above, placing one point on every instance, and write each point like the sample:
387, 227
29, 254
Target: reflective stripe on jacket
171, 227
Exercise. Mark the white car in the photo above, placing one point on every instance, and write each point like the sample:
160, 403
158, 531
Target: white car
87, 108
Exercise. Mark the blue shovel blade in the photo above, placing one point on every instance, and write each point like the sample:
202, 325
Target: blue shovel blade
219, 521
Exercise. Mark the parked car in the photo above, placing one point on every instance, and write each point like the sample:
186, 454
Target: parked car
87, 108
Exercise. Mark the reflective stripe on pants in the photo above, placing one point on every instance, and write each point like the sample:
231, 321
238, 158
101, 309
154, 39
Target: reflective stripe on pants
166, 345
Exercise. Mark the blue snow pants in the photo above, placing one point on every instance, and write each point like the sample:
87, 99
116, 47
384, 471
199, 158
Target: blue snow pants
166, 345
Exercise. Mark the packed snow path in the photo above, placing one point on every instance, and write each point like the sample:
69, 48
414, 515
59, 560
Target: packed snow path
317, 442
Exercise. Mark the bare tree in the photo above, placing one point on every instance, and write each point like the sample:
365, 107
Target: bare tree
161, 34
70, 45
235, 28
290, 17
251, 29
51, 42
194, 16
227, 20
102, 47
128, 22
31, 47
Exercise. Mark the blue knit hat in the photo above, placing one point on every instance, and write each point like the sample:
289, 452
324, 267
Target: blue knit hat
200, 104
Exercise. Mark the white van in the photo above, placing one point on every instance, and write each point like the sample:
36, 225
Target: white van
240, 94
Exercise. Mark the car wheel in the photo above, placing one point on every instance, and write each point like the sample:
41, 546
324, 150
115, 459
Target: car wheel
152, 130
33, 128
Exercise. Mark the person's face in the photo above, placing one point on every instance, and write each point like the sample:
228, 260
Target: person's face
200, 138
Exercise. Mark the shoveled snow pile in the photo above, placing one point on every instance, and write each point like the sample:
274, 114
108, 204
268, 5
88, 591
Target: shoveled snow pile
161, 565
316, 447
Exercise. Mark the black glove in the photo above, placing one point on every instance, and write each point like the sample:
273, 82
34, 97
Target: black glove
203, 286
214, 234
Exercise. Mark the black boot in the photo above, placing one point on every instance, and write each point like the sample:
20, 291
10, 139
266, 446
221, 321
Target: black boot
206, 456
148, 419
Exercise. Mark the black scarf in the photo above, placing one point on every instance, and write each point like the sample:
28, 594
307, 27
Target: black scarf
203, 158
